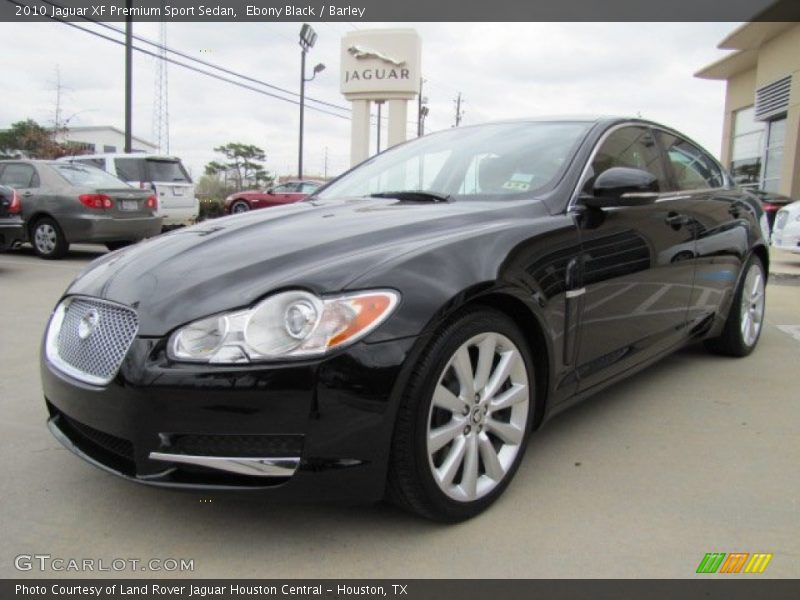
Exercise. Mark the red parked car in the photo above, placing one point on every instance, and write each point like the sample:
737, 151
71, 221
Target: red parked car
285, 193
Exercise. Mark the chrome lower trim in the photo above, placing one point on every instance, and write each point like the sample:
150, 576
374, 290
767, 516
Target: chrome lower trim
254, 467
576, 293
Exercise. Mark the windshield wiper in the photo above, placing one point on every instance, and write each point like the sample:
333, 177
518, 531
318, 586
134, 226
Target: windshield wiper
414, 196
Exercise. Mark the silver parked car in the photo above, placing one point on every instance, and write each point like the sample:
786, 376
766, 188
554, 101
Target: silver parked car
64, 203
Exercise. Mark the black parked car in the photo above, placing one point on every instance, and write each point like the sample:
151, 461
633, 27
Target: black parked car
402, 330
12, 227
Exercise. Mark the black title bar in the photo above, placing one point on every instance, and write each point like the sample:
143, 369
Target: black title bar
402, 10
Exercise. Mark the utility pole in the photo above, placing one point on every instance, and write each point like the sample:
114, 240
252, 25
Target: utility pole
459, 112
128, 74
57, 118
160, 130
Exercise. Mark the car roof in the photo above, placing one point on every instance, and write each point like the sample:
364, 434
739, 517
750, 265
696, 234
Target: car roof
120, 155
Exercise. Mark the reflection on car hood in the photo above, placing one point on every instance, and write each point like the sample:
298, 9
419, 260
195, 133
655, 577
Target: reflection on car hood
234, 261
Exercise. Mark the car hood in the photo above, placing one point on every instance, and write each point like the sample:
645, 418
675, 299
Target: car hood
234, 261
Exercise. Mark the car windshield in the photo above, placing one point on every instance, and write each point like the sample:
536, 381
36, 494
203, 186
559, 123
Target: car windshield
86, 176
504, 160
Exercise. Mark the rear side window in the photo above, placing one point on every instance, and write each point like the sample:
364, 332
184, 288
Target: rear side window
166, 171
130, 169
98, 163
692, 168
18, 175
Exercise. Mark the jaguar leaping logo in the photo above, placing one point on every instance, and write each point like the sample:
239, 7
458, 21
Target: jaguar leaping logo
88, 323
361, 52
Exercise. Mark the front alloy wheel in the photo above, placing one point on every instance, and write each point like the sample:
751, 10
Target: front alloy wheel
239, 206
478, 417
463, 422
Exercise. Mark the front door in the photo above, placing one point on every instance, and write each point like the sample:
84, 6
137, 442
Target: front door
637, 265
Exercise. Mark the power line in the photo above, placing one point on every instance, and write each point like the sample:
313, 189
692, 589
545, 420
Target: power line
166, 48
190, 67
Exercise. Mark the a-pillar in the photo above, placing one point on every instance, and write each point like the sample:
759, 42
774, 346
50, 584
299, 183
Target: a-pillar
359, 137
398, 115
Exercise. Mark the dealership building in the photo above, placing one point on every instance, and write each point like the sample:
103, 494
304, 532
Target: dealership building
761, 131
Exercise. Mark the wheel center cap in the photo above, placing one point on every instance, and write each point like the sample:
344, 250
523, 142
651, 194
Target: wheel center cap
477, 416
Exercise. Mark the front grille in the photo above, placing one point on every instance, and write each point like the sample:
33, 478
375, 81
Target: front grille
780, 220
255, 445
88, 338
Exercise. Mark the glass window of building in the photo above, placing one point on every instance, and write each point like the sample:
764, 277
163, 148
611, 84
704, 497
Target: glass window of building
773, 158
747, 148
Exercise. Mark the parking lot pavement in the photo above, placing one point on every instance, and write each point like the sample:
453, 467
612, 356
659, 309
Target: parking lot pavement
697, 454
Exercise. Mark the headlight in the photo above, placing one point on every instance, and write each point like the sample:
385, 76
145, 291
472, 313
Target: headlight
293, 324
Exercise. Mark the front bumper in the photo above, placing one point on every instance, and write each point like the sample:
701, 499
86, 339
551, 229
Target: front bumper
320, 430
787, 238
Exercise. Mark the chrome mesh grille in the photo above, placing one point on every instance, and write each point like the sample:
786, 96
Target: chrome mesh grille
89, 338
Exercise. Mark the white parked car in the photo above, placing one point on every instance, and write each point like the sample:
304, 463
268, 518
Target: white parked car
786, 233
165, 175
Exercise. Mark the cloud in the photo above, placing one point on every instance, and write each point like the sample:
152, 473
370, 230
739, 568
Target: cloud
503, 71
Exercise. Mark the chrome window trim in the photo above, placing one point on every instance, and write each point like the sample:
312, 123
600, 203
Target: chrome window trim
54, 329
670, 195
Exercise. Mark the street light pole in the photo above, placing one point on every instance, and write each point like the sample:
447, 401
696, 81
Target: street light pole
307, 38
302, 110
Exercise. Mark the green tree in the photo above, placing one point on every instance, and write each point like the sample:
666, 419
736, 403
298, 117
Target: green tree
243, 165
34, 140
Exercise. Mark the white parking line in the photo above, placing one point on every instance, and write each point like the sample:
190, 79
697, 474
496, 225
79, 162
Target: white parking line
792, 330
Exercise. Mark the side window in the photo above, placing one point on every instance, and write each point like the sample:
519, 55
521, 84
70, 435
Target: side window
286, 188
631, 147
99, 163
19, 176
307, 188
692, 168
129, 169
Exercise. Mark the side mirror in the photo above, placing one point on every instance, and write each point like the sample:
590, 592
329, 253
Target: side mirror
621, 186
271, 192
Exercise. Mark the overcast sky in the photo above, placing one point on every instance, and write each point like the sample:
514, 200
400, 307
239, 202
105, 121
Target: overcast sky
503, 71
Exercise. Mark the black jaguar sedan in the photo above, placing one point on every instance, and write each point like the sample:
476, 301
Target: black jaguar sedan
401, 331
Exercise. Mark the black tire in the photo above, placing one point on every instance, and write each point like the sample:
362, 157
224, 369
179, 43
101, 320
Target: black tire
240, 206
411, 483
48, 239
733, 341
117, 245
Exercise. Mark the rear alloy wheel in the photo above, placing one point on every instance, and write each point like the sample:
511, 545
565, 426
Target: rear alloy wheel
746, 317
48, 240
239, 206
464, 424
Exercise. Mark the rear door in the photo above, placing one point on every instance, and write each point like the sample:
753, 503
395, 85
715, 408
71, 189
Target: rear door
636, 275
720, 217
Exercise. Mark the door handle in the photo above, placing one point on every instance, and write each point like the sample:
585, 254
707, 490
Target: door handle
675, 220
27, 194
